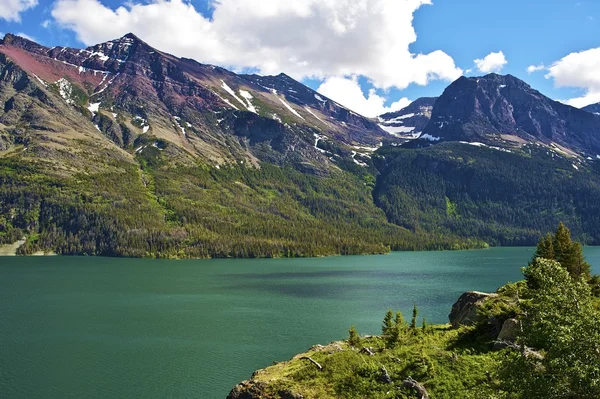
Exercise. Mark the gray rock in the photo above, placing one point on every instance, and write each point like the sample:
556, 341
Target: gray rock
510, 330
464, 311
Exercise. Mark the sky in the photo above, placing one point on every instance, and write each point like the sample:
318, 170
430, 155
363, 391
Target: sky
373, 56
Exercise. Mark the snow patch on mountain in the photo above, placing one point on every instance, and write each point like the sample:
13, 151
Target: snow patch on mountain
292, 110
248, 97
65, 90
232, 93
429, 137
396, 130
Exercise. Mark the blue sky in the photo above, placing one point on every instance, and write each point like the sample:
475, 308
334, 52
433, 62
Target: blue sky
527, 32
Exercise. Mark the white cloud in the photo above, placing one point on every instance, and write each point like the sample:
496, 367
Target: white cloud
46, 23
11, 10
348, 93
535, 68
303, 38
493, 62
580, 70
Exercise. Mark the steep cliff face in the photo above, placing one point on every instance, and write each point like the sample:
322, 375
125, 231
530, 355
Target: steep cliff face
496, 109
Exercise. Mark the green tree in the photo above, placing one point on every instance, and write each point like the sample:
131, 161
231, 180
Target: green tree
353, 337
424, 325
563, 249
388, 325
545, 248
562, 324
415, 313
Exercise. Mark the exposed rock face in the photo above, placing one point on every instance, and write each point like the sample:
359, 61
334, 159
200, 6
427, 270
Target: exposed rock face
593, 108
410, 121
207, 112
487, 109
464, 311
510, 330
256, 390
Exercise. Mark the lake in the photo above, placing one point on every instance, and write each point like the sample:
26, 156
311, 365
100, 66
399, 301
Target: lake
135, 328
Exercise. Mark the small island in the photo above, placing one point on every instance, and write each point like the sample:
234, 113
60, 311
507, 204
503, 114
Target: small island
536, 338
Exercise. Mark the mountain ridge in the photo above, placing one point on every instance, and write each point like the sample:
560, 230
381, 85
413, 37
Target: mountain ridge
502, 109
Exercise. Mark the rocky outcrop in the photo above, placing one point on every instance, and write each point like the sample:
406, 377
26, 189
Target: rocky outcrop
465, 310
257, 390
510, 330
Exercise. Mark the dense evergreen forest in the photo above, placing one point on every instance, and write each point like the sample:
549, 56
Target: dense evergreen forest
162, 210
497, 196
447, 196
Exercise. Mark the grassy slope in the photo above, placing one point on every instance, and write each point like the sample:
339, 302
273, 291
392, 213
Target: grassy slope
444, 360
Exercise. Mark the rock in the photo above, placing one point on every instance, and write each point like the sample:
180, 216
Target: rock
333, 347
258, 390
464, 311
510, 330
247, 390
385, 376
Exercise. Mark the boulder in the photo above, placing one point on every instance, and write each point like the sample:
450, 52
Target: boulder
464, 311
510, 330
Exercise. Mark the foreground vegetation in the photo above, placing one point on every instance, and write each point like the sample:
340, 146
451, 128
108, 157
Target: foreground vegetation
553, 351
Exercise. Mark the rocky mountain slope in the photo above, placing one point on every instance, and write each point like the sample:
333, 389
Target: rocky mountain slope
409, 122
503, 111
123, 150
128, 89
593, 108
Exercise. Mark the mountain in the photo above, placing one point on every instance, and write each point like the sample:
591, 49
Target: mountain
593, 108
123, 150
505, 111
410, 121
131, 89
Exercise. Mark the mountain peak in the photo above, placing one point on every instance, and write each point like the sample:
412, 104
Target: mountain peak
131, 36
499, 108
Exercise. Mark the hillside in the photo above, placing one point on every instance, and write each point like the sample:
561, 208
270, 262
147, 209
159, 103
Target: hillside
123, 150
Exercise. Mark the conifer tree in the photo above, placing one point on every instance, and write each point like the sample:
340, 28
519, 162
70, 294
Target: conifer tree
386, 328
415, 313
424, 325
545, 248
353, 337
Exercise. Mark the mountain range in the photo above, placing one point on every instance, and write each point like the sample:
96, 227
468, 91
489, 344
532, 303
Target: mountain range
120, 149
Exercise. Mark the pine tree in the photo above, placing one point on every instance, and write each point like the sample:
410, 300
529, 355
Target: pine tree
353, 337
415, 313
562, 244
386, 328
424, 325
545, 248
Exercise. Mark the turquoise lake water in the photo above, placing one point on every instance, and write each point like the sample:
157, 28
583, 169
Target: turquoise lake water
134, 328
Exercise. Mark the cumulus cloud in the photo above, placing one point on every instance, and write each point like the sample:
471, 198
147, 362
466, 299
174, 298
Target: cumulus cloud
493, 62
580, 70
348, 93
535, 68
11, 10
303, 38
